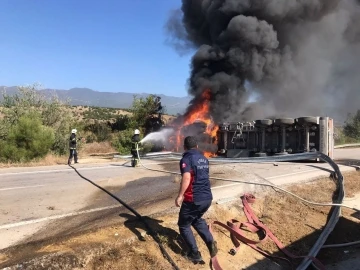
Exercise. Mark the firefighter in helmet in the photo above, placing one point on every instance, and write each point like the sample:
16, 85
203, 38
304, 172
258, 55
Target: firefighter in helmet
135, 143
72, 147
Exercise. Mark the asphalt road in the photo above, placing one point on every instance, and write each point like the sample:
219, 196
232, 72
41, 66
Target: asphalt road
41, 202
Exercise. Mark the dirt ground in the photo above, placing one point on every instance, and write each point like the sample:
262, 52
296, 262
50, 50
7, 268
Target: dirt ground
128, 246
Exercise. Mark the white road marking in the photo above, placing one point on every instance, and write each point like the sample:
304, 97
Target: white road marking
4, 189
12, 225
60, 170
79, 169
33, 221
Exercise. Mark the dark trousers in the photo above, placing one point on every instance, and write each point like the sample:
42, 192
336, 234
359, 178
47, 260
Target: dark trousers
73, 153
134, 153
191, 215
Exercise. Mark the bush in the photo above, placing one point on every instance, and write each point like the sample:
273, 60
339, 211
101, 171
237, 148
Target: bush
28, 101
122, 141
352, 126
121, 123
26, 140
101, 130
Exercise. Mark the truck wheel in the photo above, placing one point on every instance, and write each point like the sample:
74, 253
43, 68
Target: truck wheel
260, 154
284, 121
308, 120
264, 122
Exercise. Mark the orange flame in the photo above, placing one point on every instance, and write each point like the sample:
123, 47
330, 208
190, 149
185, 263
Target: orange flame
200, 112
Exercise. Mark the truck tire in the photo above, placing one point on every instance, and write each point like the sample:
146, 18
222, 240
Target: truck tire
284, 121
307, 120
264, 122
260, 154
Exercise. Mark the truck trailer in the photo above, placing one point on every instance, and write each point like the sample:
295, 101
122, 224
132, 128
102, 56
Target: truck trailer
282, 136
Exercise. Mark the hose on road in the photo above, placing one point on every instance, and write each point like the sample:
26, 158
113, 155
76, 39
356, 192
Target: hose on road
140, 217
334, 213
254, 183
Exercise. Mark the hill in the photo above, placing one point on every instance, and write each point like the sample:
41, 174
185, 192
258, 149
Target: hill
89, 97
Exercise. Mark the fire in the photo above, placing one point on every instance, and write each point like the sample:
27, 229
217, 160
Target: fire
200, 112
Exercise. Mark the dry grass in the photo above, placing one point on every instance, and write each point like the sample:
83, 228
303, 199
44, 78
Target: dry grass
97, 148
293, 223
89, 149
49, 160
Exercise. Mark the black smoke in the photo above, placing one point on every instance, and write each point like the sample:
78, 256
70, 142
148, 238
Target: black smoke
300, 57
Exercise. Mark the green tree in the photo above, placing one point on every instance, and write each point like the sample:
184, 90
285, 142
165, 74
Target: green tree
141, 109
26, 140
29, 100
352, 126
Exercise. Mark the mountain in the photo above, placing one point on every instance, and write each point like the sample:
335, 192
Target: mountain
89, 97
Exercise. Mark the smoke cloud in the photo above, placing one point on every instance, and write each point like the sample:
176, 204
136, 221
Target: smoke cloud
298, 57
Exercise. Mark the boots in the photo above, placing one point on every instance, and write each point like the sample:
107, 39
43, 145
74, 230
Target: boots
212, 249
195, 257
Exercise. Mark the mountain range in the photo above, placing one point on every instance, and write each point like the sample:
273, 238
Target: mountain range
89, 97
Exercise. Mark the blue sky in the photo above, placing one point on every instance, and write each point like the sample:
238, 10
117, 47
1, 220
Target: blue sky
105, 45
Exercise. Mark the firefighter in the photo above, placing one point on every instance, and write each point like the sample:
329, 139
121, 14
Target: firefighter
135, 143
195, 199
72, 146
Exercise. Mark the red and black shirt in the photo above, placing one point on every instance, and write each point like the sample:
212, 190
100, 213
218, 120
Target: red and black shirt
197, 165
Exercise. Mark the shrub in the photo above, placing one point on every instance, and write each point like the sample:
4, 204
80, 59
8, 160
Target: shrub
28, 139
122, 141
28, 101
101, 130
121, 123
352, 126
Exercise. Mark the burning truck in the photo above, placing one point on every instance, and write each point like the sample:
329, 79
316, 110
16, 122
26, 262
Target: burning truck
259, 138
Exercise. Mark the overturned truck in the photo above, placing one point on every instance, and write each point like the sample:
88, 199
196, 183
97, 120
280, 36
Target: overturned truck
282, 136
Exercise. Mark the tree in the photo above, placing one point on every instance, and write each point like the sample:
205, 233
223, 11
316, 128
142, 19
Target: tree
142, 109
27, 139
52, 112
352, 126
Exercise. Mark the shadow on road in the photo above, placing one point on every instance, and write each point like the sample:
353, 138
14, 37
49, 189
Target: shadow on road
322, 168
354, 163
166, 235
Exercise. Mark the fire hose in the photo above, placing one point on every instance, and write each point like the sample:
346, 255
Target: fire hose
256, 226
334, 214
140, 217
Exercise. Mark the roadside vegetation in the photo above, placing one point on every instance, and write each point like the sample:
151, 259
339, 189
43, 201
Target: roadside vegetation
34, 126
350, 132
37, 127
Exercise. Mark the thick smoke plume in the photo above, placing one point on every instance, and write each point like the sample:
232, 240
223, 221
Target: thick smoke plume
298, 57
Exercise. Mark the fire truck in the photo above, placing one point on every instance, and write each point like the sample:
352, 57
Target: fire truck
283, 136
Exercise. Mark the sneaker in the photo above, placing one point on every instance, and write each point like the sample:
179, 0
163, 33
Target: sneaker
195, 257
213, 249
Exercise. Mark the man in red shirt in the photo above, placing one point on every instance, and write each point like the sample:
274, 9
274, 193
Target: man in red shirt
195, 198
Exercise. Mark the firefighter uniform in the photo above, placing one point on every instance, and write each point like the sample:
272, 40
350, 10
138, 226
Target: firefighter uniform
72, 147
197, 200
135, 143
